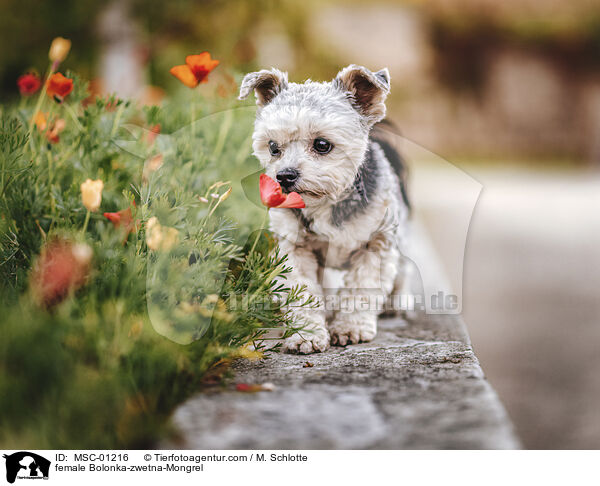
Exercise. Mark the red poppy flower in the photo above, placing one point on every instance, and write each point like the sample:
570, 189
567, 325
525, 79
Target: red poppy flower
195, 70
152, 133
59, 86
62, 267
55, 129
123, 219
272, 196
28, 84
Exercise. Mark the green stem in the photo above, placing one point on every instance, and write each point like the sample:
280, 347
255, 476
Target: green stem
85, 223
73, 116
219, 201
264, 221
267, 281
40, 101
244, 151
118, 116
50, 171
50, 178
193, 119
225, 127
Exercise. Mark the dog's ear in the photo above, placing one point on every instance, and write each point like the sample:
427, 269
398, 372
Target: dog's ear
367, 90
266, 85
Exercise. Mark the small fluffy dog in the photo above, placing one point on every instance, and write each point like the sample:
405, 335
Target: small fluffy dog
315, 139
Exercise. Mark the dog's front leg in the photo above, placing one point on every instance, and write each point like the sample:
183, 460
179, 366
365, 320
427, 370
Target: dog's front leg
314, 337
367, 284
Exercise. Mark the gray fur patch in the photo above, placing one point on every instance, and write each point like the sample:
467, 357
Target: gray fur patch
303, 219
365, 185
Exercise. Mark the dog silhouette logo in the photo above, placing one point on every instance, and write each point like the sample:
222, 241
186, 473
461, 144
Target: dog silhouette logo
27, 465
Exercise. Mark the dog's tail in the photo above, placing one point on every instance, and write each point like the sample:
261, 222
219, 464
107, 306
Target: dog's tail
386, 135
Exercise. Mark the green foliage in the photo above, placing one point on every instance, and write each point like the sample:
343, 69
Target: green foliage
105, 365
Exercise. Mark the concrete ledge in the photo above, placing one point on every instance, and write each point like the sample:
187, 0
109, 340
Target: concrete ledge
418, 385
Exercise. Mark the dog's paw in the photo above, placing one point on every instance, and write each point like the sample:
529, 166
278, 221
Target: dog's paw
315, 341
352, 329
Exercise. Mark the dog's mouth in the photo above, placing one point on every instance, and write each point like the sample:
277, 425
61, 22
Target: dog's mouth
304, 191
308, 192
288, 189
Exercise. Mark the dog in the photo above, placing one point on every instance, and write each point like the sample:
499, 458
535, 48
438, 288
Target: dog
318, 139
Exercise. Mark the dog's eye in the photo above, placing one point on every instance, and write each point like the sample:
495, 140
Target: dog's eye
322, 146
274, 148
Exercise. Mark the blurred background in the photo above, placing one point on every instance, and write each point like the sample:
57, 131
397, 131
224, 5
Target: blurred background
507, 91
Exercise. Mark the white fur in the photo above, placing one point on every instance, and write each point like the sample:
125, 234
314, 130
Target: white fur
365, 248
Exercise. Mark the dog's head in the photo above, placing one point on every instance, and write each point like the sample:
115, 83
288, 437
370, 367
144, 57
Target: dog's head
312, 137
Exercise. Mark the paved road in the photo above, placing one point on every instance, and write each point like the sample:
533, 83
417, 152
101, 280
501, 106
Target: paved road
532, 297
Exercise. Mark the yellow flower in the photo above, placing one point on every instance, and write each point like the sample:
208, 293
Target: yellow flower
160, 237
59, 49
41, 120
153, 233
152, 223
170, 238
91, 194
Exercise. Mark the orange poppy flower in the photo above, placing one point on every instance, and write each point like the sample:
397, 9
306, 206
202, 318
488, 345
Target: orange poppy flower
55, 129
272, 196
41, 121
195, 70
59, 86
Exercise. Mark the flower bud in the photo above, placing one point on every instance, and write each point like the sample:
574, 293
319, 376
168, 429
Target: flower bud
160, 237
226, 194
59, 49
153, 233
91, 194
151, 166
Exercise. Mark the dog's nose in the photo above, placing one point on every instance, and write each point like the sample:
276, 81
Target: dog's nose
287, 177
